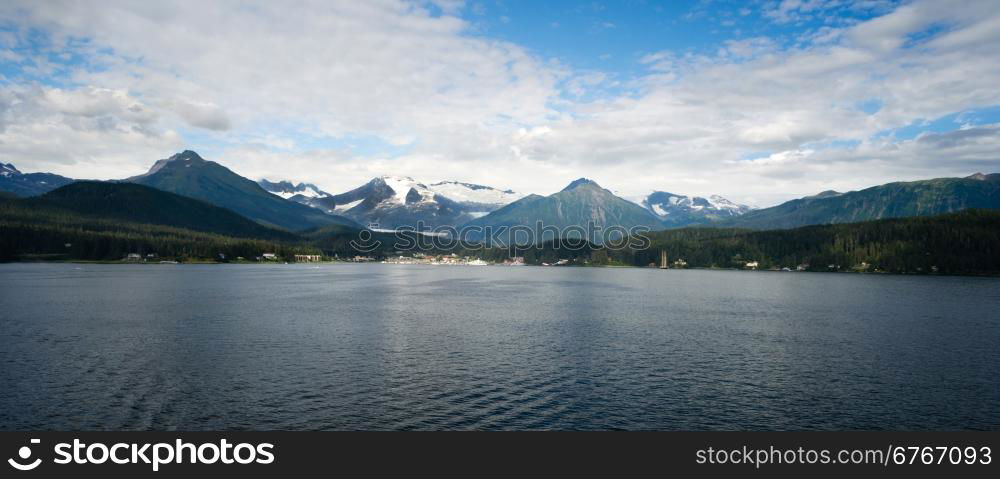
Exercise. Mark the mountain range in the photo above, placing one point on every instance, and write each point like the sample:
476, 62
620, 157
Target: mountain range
28, 184
300, 193
676, 211
115, 221
392, 202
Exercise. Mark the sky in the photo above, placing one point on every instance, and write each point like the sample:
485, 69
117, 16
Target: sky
757, 101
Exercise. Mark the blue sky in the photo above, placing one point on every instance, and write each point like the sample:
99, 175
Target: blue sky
616, 35
759, 101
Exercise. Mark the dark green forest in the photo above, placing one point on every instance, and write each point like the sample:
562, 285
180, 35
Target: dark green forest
956, 243
32, 230
967, 242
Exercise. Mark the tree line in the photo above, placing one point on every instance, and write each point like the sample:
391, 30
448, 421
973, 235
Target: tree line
966, 242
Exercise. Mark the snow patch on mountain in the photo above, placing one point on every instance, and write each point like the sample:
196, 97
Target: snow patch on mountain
394, 200
346, 206
409, 191
310, 191
8, 170
402, 185
289, 190
471, 193
721, 203
681, 210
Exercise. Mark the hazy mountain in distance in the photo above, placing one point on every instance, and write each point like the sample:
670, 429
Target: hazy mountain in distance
399, 201
292, 191
677, 211
29, 184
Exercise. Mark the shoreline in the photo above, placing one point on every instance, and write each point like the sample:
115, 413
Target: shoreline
317, 263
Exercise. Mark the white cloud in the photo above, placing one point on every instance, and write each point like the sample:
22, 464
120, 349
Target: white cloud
202, 115
91, 102
263, 84
750, 47
93, 132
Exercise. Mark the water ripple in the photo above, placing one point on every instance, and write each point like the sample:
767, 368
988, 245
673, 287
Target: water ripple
381, 347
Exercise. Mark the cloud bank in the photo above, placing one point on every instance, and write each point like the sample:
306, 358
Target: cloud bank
337, 92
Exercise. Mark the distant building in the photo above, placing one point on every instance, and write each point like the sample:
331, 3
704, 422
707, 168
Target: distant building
269, 256
306, 258
752, 265
133, 257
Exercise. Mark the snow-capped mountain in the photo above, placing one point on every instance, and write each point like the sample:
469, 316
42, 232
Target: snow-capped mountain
471, 194
679, 210
8, 170
397, 201
29, 184
291, 191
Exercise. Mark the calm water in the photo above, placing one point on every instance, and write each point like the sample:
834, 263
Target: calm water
434, 347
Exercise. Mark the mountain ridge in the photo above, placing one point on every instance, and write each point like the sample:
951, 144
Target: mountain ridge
400, 201
891, 200
397, 201
21, 184
188, 174
137, 203
677, 211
